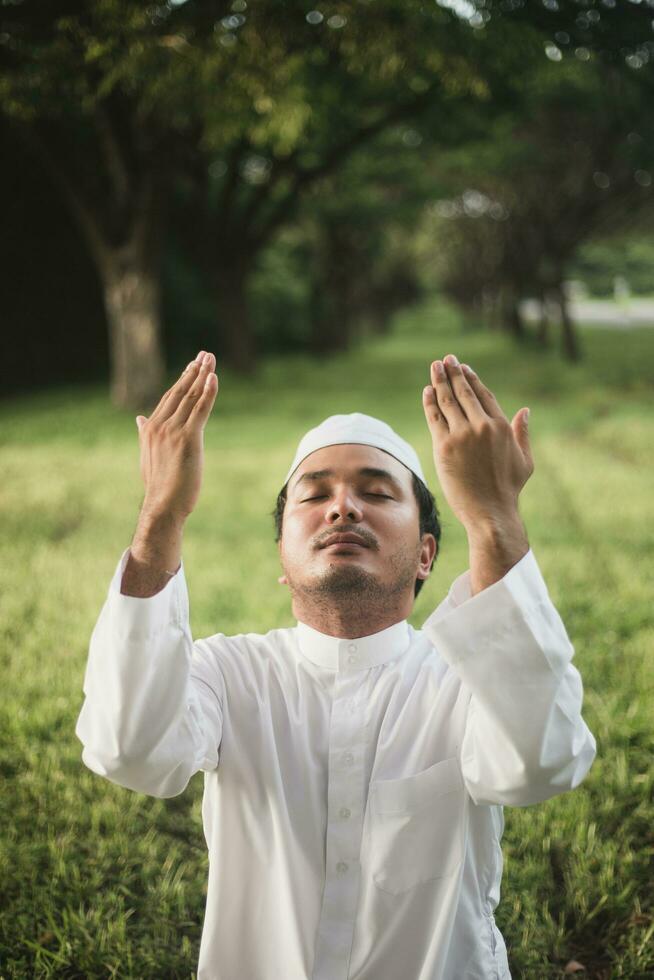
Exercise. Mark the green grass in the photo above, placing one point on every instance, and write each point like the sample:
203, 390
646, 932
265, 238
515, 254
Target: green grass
97, 881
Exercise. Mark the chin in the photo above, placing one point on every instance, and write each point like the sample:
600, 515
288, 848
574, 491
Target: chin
342, 578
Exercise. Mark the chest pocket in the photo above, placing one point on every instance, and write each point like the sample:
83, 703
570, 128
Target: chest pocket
416, 827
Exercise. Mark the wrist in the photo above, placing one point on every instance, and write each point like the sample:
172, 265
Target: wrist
494, 529
505, 539
157, 540
495, 547
155, 554
154, 520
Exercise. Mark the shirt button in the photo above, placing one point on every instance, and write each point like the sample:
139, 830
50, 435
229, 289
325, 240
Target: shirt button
352, 647
345, 812
341, 867
348, 758
352, 659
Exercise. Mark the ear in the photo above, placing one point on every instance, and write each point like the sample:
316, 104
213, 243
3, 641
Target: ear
282, 578
429, 551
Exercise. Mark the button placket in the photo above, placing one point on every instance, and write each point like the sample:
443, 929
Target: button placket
345, 802
353, 657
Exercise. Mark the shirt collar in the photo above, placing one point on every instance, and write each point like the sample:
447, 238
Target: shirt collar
358, 654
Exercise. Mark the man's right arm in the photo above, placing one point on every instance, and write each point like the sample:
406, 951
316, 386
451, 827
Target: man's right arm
148, 722
153, 707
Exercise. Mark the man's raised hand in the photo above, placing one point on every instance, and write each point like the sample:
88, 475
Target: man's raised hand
482, 460
172, 441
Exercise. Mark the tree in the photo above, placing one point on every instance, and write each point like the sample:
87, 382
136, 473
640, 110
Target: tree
119, 99
542, 183
358, 224
326, 90
71, 82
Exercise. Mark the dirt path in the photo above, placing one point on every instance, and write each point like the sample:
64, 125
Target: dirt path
629, 314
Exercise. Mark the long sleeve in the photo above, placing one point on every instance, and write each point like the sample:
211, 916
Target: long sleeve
152, 713
525, 740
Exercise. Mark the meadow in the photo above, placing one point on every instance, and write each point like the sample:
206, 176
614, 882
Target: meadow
99, 882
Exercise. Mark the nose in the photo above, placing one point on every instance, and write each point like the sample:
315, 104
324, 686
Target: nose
343, 506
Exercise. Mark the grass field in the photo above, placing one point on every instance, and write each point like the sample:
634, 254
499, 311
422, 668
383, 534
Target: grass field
97, 881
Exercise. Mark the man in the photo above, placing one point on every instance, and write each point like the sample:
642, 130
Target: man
355, 768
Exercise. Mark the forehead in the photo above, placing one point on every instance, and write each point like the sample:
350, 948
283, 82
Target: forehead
347, 459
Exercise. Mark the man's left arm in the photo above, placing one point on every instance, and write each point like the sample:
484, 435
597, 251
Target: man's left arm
524, 739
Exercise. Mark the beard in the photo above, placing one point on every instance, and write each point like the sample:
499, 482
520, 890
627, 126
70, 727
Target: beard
355, 589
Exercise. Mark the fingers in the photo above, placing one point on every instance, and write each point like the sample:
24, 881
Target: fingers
446, 405
463, 394
457, 398
194, 392
485, 396
202, 409
171, 398
435, 419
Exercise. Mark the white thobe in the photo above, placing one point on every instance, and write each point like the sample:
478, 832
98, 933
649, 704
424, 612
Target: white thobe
353, 789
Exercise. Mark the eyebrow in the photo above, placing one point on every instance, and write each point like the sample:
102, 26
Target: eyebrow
364, 471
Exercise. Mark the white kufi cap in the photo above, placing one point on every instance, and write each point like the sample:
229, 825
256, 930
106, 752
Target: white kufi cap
361, 429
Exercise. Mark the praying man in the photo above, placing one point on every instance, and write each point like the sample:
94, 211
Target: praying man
355, 768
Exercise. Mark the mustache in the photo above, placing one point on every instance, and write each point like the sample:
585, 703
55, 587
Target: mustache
366, 537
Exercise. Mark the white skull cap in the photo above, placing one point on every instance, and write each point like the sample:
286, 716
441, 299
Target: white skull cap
361, 429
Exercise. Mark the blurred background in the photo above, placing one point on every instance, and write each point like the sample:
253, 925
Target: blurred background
275, 178
328, 198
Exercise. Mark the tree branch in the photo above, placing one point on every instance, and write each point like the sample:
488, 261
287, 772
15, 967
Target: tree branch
83, 213
335, 156
231, 179
116, 168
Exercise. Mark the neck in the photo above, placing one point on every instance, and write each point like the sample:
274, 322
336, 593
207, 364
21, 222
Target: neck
349, 619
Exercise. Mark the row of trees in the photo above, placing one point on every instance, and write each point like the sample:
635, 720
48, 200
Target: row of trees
232, 123
578, 166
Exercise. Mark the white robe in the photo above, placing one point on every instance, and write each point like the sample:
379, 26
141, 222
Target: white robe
353, 789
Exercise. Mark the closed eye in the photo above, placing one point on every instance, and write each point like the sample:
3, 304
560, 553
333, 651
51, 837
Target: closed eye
322, 497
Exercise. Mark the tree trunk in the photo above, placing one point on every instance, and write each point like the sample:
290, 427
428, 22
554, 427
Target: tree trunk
375, 308
569, 340
380, 318
492, 308
331, 314
129, 272
133, 306
511, 317
542, 332
382, 300
238, 345
330, 322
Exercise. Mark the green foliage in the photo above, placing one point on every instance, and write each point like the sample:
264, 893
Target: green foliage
248, 108
278, 301
573, 160
269, 74
279, 295
599, 262
99, 882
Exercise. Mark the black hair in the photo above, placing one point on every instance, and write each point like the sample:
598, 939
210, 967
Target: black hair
427, 512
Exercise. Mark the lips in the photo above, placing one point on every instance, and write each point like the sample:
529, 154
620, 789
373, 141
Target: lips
345, 539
